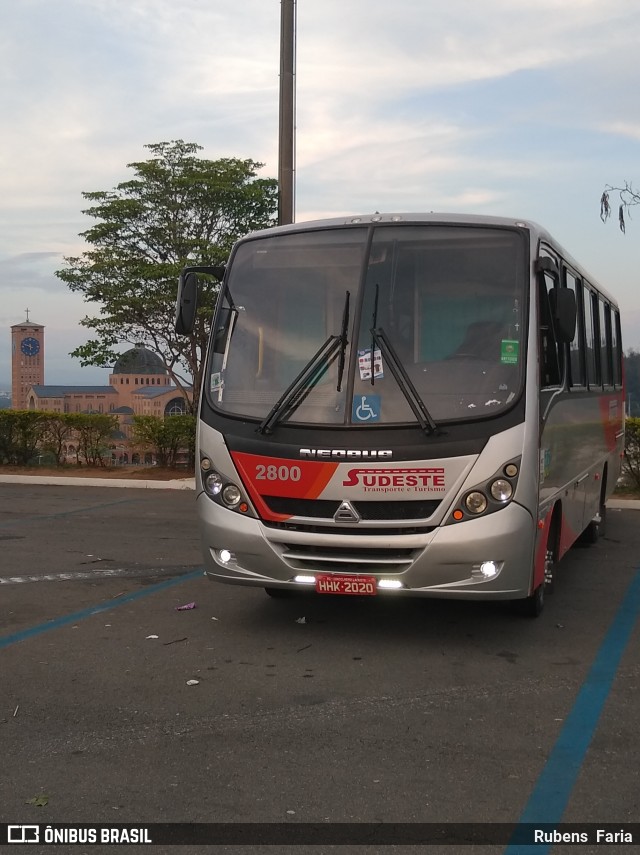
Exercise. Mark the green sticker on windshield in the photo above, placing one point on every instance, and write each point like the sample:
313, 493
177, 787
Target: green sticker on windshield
509, 351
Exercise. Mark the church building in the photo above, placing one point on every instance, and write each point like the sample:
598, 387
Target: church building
139, 384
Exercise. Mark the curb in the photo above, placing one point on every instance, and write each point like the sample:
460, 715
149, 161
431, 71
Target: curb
624, 504
178, 484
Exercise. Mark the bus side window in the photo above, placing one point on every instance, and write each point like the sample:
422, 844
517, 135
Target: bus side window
605, 344
616, 349
576, 347
591, 352
551, 350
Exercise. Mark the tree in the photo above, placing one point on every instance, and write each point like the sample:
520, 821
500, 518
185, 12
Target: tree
57, 432
93, 432
628, 198
632, 381
179, 209
166, 437
20, 433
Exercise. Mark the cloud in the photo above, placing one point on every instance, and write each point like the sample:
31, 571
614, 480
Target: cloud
30, 269
496, 107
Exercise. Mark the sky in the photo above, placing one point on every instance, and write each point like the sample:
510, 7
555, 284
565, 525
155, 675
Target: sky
522, 109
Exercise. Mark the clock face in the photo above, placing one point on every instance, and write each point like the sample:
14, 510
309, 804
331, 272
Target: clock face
30, 346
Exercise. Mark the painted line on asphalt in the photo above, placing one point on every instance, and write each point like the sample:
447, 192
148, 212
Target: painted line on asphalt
33, 631
553, 789
36, 518
65, 577
104, 573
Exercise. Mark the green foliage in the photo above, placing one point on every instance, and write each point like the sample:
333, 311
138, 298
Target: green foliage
165, 437
92, 432
21, 432
58, 430
632, 381
631, 459
178, 209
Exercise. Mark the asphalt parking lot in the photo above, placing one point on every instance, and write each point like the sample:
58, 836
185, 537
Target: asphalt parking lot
118, 706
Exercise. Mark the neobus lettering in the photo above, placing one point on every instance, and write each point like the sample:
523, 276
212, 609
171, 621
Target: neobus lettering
348, 453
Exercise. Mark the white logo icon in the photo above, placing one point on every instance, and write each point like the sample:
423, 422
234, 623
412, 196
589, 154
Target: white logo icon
23, 834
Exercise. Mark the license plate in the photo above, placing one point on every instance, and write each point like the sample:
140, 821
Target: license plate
358, 585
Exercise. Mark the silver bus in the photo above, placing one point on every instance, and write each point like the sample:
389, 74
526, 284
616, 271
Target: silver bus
405, 405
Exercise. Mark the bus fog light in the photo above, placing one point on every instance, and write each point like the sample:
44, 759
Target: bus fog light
475, 503
486, 569
224, 556
205, 464
501, 490
305, 580
213, 483
231, 495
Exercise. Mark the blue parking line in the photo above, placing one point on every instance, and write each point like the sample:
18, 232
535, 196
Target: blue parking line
552, 791
94, 610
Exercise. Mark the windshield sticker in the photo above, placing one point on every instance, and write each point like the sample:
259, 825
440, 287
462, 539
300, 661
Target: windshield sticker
509, 351
366, 408
216, 381
364, 364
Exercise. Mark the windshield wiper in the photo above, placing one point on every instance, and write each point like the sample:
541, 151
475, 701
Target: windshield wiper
310, 375
343, 340
379, 337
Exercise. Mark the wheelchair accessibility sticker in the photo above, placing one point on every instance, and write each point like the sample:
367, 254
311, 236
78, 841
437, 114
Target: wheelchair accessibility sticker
366, 408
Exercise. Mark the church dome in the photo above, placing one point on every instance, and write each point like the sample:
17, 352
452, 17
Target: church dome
139, 360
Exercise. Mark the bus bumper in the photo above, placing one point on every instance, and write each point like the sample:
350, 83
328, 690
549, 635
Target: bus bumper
487, 558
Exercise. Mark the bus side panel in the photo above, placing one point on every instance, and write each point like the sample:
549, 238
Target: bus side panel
581, 443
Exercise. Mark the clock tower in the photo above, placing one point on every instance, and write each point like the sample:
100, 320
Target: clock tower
27, 360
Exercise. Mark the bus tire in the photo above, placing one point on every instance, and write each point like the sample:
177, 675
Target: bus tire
532, 605
597, 527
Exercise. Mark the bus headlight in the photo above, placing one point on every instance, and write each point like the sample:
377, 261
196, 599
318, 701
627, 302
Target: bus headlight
476, 502
212, 483
224, 492
501, 490
231, 495
488, 496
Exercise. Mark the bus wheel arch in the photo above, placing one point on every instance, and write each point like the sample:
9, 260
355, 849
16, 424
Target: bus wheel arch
533, 605
552, 548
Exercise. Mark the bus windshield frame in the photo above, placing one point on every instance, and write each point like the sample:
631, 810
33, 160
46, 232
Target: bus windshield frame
451, 300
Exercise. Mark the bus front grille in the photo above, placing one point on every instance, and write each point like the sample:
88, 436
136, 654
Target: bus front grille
337, 559
377, 511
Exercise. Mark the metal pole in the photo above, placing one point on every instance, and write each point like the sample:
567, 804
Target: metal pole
286, 144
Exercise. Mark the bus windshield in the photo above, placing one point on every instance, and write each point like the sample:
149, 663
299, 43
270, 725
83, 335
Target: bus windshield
448, 300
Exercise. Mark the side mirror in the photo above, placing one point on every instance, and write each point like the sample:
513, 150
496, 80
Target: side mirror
187, 303
563, 303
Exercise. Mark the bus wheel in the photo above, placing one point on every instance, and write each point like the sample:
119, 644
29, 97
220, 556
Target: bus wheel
596, 528
533, 605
